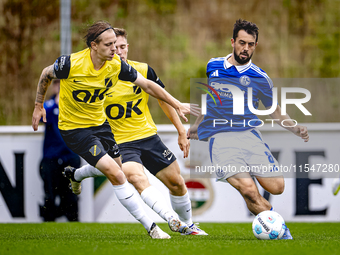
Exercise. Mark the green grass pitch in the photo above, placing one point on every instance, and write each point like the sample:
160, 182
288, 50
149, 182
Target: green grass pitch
224, 238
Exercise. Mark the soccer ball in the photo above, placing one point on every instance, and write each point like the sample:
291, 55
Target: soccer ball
268, 225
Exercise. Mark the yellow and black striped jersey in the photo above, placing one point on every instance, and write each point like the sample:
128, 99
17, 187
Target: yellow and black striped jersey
83, 89
127, 108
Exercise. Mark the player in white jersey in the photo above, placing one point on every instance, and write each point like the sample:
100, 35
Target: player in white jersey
234, 139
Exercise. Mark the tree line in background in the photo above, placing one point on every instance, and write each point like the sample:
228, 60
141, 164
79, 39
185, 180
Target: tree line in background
298, 39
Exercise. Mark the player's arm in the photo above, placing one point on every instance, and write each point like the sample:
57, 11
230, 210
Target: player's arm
192, 132
130, 74
156, 91
60, 69
298, 130
266, 98
183, 142
45, 80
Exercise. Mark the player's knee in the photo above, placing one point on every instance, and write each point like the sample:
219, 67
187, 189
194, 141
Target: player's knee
137, 180
177, 186
111, 170
116, 178
278, 188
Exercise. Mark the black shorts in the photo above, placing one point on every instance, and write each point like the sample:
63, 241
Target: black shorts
150, 152
91, 143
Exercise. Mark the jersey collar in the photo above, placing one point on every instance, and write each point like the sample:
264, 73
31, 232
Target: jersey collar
240, 69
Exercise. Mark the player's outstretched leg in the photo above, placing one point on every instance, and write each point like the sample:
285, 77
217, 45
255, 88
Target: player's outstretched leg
125, 193
77, 175
274, 185
86, 171
250, 193
89, 171
135, 174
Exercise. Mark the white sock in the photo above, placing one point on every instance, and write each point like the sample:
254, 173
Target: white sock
130, 201
86, 171
182, 206
151, 196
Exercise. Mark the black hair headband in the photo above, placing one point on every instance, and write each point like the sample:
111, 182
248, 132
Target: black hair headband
102, 32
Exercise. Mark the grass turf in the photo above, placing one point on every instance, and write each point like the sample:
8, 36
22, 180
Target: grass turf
224, 238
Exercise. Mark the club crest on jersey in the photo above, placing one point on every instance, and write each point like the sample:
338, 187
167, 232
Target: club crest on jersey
59, 63
56, 65
108, 82
137, 90
95, 150
244, 80
220, 173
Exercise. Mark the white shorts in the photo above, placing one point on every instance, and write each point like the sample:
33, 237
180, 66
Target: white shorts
236, 152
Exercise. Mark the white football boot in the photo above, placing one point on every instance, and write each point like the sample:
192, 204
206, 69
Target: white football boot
195, 230
157, 233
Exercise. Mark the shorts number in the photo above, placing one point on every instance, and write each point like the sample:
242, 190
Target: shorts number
270, 157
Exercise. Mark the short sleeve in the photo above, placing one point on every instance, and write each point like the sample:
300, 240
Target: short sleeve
127, 72
151, 75
266, 94
62, 67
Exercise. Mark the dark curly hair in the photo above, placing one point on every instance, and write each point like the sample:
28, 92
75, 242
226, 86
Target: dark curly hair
247, 26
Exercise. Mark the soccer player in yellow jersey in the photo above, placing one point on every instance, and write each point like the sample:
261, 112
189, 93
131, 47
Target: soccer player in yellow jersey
136, 133
86, 78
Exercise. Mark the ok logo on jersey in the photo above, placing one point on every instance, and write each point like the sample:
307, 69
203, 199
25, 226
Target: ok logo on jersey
86, 96
117, 111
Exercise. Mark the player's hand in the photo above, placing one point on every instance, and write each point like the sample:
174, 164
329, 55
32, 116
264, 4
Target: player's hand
192, 132
184, 144
38, 113
302, 132
195, 110
186, 108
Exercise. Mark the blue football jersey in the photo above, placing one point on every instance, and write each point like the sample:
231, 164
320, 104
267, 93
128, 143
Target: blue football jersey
228, 84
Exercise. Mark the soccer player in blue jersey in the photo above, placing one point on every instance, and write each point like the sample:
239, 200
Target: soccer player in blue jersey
234, 139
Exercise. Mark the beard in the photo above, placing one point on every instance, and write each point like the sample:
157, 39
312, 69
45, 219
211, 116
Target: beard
240, 60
